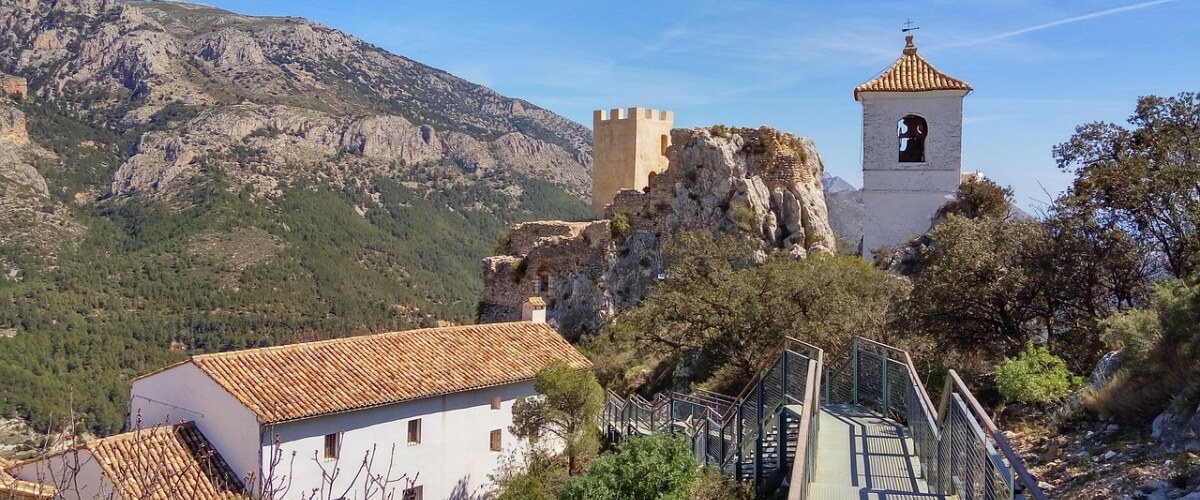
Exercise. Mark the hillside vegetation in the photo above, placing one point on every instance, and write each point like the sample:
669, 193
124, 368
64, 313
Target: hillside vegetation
212, 181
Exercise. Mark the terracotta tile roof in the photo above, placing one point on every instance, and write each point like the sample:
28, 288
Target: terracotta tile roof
536, 301
165, 463
911, 73
315, 378
13, 489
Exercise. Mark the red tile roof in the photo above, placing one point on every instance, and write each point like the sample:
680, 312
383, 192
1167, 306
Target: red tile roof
166, 463
303, 380
911, 73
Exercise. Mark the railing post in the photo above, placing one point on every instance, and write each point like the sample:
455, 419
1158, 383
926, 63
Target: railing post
783, 440
741, 421
671, 411
758, 442
854, 374
887, 390
784, 382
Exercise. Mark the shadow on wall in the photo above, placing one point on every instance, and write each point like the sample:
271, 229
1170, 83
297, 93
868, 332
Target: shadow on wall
460, 491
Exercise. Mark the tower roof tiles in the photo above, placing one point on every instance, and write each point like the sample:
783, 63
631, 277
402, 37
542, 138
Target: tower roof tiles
911, 73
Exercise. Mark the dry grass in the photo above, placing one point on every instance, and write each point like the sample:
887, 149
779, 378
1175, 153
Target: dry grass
1137, 394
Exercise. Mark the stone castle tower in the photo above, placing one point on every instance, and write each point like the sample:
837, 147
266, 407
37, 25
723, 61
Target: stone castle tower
630, 148
912, 147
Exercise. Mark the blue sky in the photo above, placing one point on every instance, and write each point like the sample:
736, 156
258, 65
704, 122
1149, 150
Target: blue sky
1038, 68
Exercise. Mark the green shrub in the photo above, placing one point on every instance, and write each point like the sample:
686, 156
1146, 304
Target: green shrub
1035, 376
720, 131
658, 466
1134, 332
620, 226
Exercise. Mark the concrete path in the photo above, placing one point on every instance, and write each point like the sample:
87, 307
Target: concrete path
862, 456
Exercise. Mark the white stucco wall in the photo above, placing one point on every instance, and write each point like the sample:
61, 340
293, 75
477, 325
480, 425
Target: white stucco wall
452, 460
75, 475
184, 393
900, 198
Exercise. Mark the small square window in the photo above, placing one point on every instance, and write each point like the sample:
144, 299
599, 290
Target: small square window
414, 493
495, 441
333, 446
414, 431
495, 402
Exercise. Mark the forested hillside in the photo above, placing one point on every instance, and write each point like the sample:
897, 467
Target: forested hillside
212, 181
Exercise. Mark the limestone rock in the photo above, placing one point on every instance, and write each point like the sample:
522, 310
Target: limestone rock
12, 126
1177, 434
228, 47
309, 94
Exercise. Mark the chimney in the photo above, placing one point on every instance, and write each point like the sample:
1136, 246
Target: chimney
534, 309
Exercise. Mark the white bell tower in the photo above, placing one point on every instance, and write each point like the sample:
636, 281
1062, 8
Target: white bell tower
912, 147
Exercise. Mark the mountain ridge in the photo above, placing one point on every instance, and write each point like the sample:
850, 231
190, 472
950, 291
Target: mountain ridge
193, 180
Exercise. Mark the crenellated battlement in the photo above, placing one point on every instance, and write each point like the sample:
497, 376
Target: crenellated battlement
635, 113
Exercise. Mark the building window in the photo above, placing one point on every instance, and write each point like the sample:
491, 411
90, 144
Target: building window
543, 283
495, 402
414, 431
333, 446
414, 493
912, 131
666, 141
495, 440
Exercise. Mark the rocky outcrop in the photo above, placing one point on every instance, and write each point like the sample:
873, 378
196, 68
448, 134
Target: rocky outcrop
29, 218
759, 182
12, 126
1178, 431
13, 86
257, 144
762, 181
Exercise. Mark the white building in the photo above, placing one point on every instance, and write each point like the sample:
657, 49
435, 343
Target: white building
432, 404
163, 462
912, 147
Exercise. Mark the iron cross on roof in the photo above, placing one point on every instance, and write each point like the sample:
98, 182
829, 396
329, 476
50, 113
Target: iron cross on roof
908, 26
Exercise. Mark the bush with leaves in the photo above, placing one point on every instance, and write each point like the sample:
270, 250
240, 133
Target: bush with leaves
658, 466
1168, 373
1035, 376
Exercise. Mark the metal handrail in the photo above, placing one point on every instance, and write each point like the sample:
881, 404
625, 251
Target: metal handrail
805, 465
1015, 463
733, 429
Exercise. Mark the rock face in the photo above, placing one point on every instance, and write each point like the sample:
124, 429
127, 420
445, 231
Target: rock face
298, 84
760, 182
1178, 433
29, 219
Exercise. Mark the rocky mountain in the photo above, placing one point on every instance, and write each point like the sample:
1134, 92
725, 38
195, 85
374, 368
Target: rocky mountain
834, 184
175, 178
846, 211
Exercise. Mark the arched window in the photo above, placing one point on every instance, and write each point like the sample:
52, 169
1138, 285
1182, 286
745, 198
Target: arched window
650, 178
912, 131
665, 141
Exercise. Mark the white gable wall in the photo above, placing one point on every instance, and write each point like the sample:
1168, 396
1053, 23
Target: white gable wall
452, 458
183, 393
74, 474
901, 198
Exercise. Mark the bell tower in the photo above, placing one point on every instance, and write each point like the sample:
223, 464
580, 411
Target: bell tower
912, 147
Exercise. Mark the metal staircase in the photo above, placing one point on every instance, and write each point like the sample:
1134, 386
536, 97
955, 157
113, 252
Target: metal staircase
866, 423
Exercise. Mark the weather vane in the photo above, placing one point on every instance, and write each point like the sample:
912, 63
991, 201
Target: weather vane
908, 26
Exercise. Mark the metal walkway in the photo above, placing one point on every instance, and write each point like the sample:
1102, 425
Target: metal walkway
863, 428
862, 455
